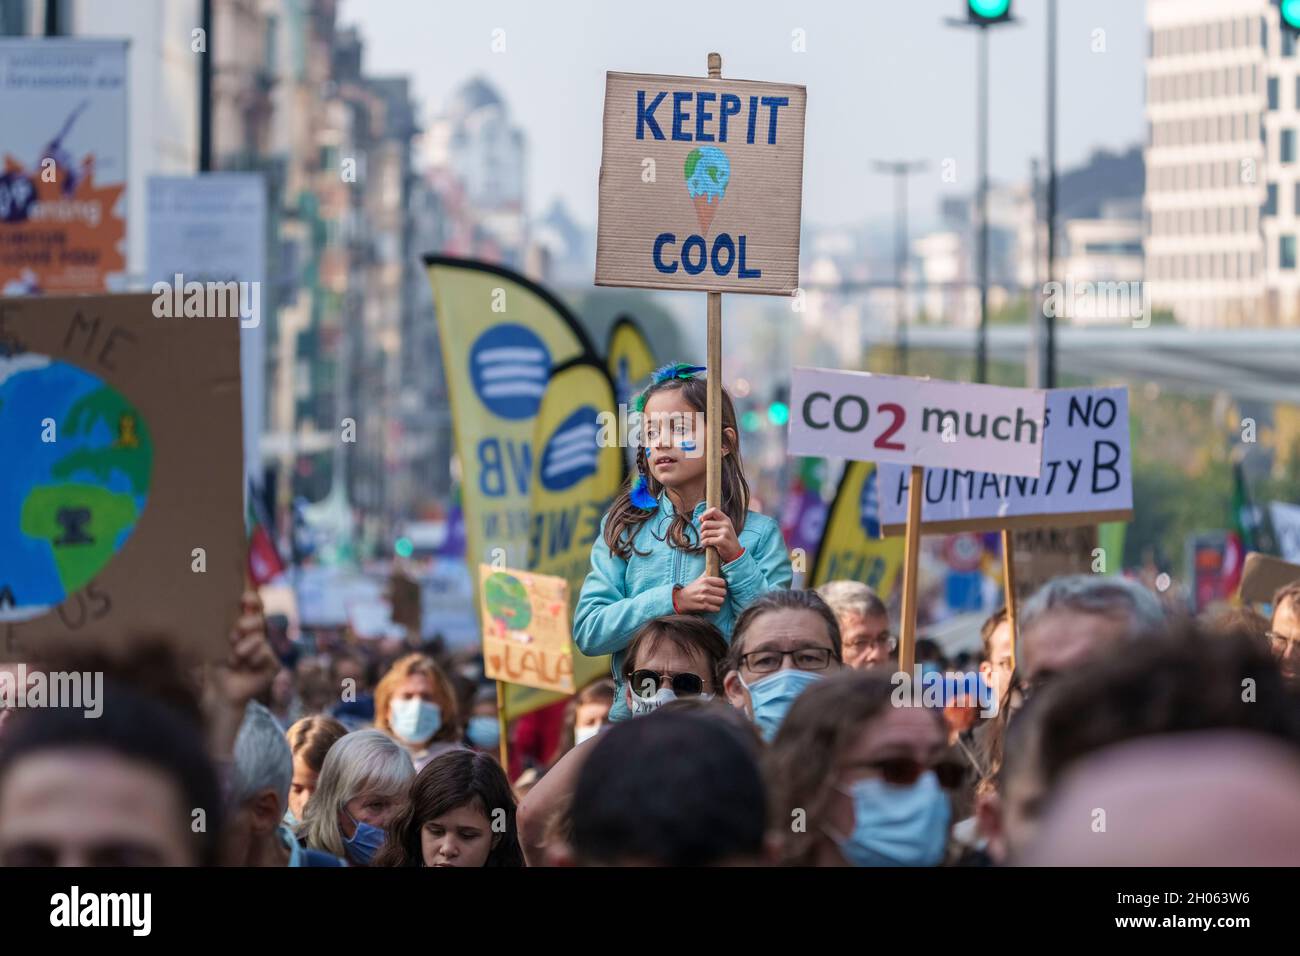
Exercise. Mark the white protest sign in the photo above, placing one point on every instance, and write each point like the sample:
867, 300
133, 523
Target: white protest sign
701, 182
1087, 475
1286, 528
915, 421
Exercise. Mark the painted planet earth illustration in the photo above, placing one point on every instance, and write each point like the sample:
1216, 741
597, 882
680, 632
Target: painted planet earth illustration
507, 601
77, 465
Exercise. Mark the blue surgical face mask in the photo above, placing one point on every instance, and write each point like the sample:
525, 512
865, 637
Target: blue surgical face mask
364, 843
290, 820
897, 826
414, 720
771, 697
483, 731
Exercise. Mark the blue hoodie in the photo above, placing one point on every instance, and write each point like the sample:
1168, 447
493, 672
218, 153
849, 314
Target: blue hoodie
619, 595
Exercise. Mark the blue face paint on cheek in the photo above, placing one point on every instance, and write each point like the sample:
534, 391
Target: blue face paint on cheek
688, 444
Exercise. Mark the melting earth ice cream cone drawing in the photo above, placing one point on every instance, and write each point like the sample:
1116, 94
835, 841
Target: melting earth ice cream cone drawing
707, 173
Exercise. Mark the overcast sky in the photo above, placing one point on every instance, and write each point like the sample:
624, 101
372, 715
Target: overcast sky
885, 79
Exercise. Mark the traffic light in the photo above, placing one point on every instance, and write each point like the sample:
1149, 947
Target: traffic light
778, 410
1289, 14
981, 12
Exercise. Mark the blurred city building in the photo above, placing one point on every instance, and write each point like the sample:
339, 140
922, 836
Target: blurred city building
476, 159
1222, 93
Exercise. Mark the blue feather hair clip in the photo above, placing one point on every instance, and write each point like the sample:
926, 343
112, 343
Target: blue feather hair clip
663, 373
640, 494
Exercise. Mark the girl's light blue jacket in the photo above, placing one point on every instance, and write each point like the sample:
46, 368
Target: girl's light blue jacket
620, 595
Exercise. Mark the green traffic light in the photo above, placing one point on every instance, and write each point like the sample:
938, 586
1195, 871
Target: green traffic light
778, 413
988, 9
1290, 12
404, 547
749, 421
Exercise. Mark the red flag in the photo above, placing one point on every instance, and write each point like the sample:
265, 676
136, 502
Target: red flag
264, 563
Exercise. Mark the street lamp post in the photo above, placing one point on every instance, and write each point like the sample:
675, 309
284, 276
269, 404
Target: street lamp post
983, 14
900, 169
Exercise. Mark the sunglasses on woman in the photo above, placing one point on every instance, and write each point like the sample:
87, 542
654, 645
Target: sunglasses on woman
903, 772
646, 682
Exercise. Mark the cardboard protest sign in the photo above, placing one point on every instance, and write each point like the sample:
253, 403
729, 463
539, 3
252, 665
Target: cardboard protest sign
1262, 575
1087, 475
1044, 553
701, 184
121, 495
526, 634
915, 421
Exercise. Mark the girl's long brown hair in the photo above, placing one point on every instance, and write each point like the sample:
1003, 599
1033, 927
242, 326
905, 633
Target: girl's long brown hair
625, 518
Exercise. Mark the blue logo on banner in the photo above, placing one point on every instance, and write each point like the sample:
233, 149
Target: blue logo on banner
571, 453
509, 366
868, 506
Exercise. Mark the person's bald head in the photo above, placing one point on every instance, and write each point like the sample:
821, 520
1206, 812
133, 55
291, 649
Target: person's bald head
1219, 798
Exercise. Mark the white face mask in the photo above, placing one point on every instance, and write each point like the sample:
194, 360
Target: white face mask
583, 734
648, 705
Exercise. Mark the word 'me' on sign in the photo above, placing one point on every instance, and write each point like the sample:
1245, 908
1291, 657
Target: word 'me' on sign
526, 636
1086, 477
913, 421
122, 495
701, 184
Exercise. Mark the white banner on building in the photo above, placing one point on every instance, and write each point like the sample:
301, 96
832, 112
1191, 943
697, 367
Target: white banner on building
63, 141
207, 238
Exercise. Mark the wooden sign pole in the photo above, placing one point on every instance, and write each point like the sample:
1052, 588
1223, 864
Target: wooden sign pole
504, 743
713, 403
1009, 586
911, 560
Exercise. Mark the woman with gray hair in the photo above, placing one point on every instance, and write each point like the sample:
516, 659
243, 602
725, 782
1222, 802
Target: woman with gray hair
363, 784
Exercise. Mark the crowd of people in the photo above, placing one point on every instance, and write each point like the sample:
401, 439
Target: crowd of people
745, 722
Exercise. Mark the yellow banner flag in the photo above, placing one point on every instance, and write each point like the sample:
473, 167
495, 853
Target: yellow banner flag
577, 471
851, 548
629, 358
501, 335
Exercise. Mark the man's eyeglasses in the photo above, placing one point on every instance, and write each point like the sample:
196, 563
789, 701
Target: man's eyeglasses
646, 682
1280, 642
805, 659
882, 641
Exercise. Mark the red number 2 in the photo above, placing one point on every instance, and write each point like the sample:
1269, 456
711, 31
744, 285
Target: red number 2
899, 415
